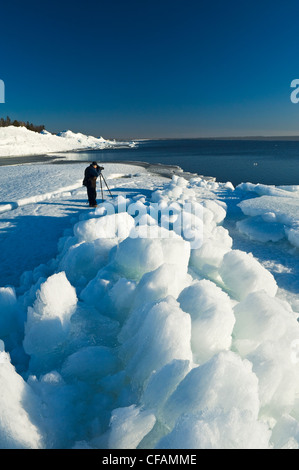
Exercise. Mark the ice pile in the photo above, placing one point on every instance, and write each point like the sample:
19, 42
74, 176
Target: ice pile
15, 141
151, 331
272, 216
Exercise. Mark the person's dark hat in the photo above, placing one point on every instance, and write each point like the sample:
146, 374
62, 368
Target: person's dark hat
94, 163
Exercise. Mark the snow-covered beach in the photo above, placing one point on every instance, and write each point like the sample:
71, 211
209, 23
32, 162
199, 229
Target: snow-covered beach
166, 318
19, 141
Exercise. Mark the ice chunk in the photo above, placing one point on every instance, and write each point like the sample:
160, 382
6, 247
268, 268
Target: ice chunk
262, 228
8, 309
108, 226
225, 381
121, 297
212, 318
217, 208
82, 261
134, 257
166, 280
284, 205
18, 430
293, 235
163, 334
261, 318
48, 321
243, 274
278, 376
163, 382
285, 434
96, 289
137, 256
208, 257
270, 190
239, 430
56, 298
90, 364
128, 426
266, 329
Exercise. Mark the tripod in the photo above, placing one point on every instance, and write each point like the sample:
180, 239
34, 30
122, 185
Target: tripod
103, 179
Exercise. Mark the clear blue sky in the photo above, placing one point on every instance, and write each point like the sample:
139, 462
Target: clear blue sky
152, 68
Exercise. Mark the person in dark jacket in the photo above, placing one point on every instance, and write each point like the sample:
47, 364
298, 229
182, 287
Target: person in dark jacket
90, 181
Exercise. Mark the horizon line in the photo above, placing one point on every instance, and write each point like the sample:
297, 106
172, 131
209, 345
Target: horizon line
251, 137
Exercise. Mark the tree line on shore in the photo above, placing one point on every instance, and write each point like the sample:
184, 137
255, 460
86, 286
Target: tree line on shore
9, 122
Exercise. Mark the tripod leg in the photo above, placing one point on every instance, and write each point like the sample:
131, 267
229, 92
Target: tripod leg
101, 187
107, 186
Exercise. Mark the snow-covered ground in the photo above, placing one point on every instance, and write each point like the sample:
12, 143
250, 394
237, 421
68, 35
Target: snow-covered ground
19, 141
164, 318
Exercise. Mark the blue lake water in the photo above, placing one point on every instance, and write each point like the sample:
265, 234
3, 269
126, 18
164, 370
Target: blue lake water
256, 161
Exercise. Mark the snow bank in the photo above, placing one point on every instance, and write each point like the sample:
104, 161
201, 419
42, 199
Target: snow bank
30, 184
39, 197
15, 141
151, 332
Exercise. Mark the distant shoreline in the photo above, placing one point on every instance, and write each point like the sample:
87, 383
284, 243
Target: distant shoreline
254, 138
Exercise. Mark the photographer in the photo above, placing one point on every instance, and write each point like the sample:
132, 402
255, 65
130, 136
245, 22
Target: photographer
90, 181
